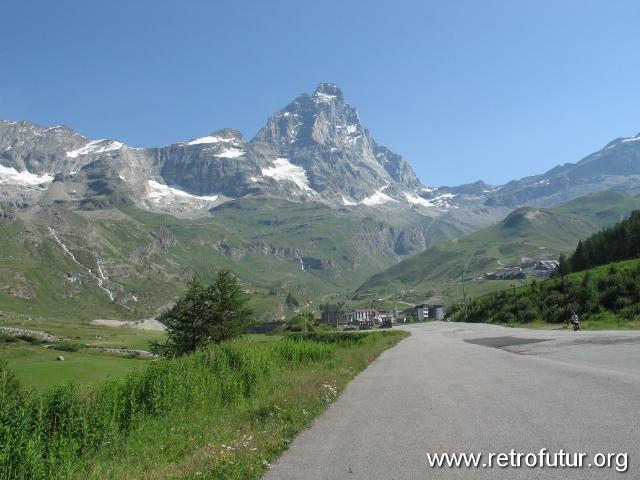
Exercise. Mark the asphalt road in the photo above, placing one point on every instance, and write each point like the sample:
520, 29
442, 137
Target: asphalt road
479, 389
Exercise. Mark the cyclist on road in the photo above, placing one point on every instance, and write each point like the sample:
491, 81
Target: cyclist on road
575, 321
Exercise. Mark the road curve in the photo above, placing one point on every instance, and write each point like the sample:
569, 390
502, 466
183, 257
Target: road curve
479, 389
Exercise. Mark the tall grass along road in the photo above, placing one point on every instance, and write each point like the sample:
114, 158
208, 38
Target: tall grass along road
223, 413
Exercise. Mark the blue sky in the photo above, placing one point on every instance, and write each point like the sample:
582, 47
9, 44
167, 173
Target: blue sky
465, 90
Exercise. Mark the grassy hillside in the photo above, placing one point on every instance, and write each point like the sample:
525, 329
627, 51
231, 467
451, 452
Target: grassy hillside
604, 297
607, 295
275, 247
527, 232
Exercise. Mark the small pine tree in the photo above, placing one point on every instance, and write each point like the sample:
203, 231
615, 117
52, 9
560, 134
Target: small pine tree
205, 315
291, 301
580, 259
563, 267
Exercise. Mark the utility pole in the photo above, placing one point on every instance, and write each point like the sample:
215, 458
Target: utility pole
562, 264
464, 295
515, 301
564, 294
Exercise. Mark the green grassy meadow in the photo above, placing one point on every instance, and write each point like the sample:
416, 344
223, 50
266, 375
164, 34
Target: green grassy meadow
36, 365
37, 368
224, 413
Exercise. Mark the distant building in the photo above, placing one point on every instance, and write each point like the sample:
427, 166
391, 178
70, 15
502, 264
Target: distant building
364, 315
424, 312
507, 273
400, 317
526, 262
421, 312
387, 317
336, 318
547, 265
437, 312
330, 317
544, 268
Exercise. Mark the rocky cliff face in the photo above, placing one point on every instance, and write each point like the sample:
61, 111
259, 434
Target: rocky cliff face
322, 134
220, 163
40, 150
314, 149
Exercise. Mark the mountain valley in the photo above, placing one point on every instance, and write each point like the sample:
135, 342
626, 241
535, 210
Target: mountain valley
311, 206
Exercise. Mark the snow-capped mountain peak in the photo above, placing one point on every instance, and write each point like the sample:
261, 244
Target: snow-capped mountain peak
327, 92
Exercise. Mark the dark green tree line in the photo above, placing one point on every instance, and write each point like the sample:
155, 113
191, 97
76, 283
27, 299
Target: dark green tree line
620, 242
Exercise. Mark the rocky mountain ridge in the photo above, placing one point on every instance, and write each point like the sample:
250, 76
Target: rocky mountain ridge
314, 149
616, 167
312, 204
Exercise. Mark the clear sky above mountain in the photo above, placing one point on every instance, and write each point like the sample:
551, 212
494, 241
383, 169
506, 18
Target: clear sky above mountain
465, 90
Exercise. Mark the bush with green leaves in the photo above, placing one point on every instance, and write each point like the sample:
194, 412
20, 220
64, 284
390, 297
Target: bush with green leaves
66, 346
33, 340
4, 338
300, 323
291, 301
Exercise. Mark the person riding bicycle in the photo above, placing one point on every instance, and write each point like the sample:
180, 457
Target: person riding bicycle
575, 321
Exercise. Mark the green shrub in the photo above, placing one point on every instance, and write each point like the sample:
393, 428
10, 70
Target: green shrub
300, 323
30, 339
66, 346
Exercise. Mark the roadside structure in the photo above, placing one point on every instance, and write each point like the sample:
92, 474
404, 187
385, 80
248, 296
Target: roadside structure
422, 312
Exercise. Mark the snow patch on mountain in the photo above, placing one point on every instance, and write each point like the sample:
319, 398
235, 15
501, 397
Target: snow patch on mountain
348, 203
378, 198
161, 193
446, 195
323, 97
230, 152
631, 139
417, 200
285, 170
442, 201
97, 146
210, 139
11, 176
50, 129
